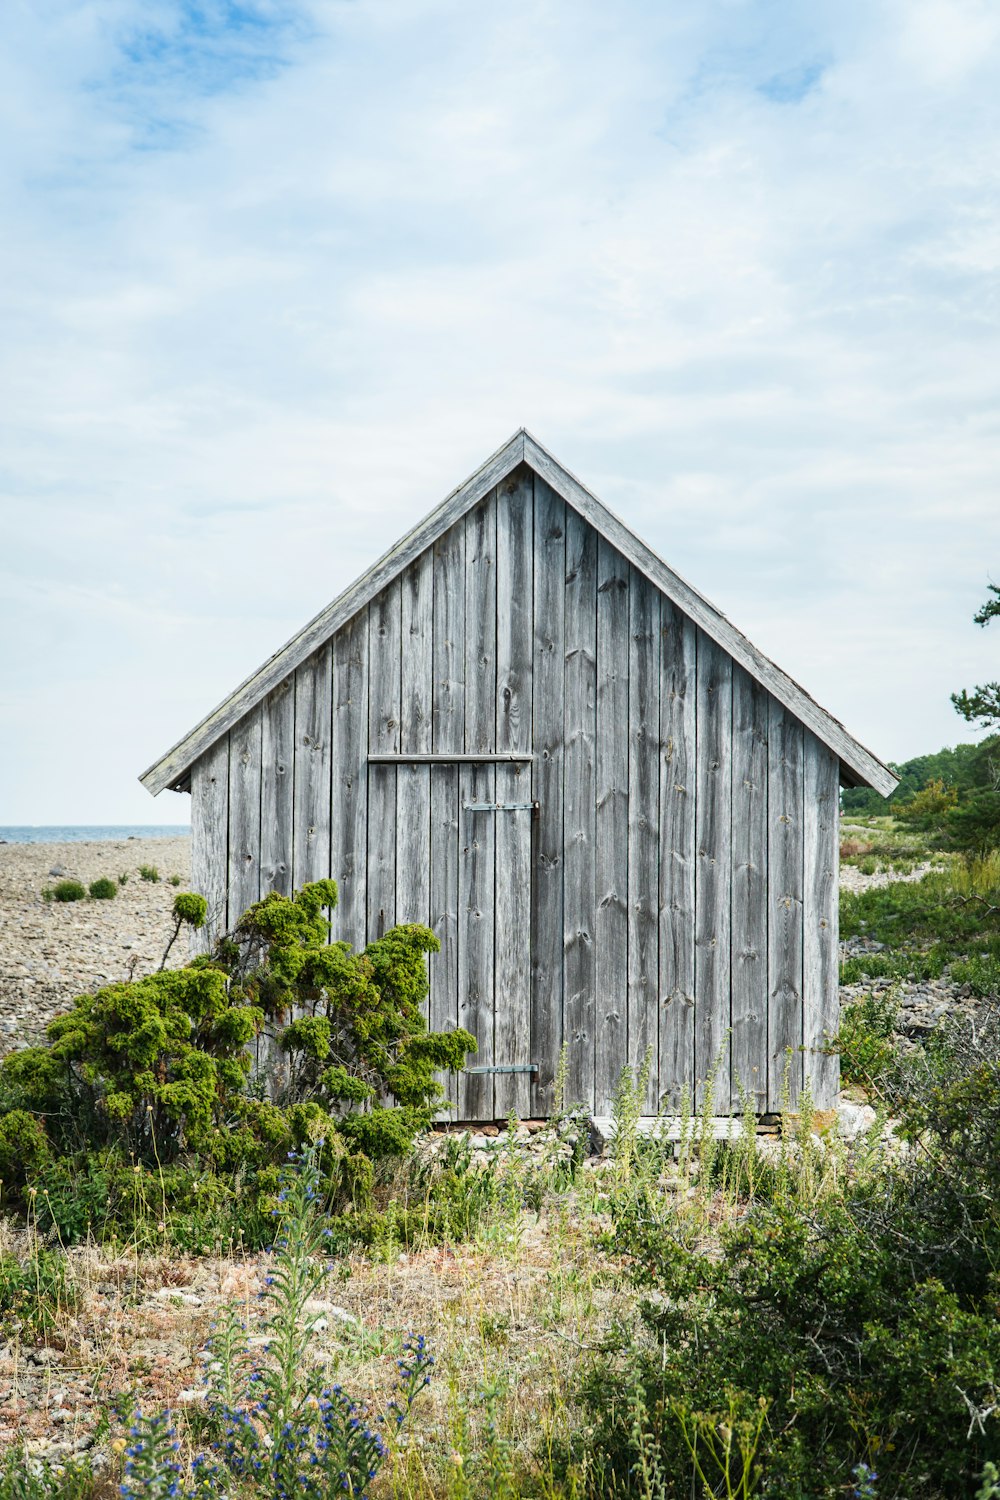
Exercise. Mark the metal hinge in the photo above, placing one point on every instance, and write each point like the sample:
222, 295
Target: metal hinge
531, 807
506, 1068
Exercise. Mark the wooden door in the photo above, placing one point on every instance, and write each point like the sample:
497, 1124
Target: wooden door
480, 908
495, 964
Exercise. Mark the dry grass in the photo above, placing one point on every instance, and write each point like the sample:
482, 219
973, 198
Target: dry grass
507, 1322
512, 1320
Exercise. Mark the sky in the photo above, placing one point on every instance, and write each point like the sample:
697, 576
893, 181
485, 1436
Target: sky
275, 276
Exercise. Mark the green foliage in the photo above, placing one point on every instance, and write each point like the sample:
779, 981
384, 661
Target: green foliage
68, 890
26, 1478
150, 873
192, 1207
982, 705
123, 879
145, 1084
948, 923
867, 1054
175, 880
32, 1290
975, 823
822, 1339
24, 1147
930, 805
926, 916
961, 809
905, 964
190, 908
981, 973
103, 890
959, 766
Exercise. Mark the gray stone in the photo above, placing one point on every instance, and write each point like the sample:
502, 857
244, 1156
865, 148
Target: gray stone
853, 1119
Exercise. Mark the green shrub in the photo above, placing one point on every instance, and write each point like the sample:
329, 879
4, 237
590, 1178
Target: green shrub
154, 1073
861, 1326
23, 1147
191, 908
32, 1292
150, 873
68, 890
867, 1053
192, 1208
103, 890
904, 963
928, 915
929, 806
981, 973
123, 879
175, 880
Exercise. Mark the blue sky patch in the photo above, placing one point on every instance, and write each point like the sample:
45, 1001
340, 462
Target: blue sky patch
792, 86
209, 48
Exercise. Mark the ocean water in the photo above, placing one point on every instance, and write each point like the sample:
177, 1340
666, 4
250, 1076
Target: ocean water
99, 833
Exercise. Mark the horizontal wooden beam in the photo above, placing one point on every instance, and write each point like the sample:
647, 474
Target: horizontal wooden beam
482, 759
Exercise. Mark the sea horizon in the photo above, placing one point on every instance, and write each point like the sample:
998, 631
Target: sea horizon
88, 833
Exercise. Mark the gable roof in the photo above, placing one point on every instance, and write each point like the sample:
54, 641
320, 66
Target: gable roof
858, 765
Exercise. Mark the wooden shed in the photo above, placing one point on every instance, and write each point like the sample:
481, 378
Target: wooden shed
522, 728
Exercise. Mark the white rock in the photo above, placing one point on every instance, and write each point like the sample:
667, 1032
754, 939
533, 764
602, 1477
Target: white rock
327, 1311
854, 1119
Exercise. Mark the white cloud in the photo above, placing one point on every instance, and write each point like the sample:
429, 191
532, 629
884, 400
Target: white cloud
271, 289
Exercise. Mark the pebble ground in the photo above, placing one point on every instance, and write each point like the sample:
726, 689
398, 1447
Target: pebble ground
52, 951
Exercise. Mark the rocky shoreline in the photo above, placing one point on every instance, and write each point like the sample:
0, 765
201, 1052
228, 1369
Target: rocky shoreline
52, 951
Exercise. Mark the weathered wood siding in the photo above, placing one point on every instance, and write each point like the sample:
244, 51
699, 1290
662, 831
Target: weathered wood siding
673, 898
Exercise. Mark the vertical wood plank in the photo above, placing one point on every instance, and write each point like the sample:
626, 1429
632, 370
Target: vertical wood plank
549, 567
644, 830
785, 855
210, 839
749, 898
313, 732
413, 812
512, 1029
579, 806
445, 825
448, 705
277, 811
448, 734
611, 840
349, 811
678, 761
244, 813
713, 821
384, 653
416, 730
413, 783
821, 861
478, 784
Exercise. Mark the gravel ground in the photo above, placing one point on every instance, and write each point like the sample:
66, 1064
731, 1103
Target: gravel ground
853, 879
51, 951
